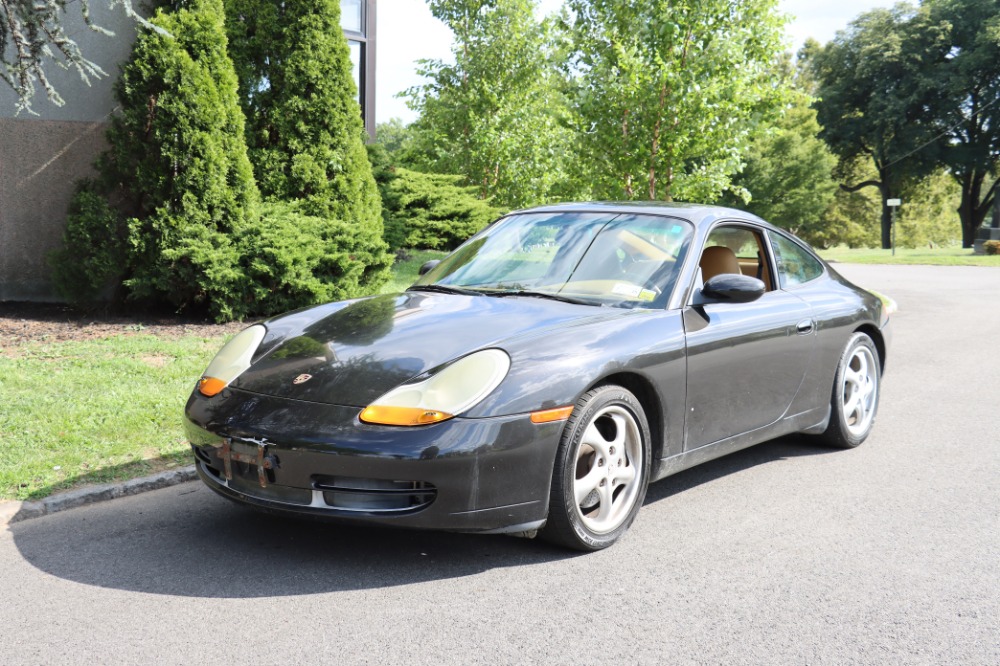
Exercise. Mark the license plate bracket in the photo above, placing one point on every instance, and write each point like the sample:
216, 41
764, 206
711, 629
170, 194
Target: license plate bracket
254, 453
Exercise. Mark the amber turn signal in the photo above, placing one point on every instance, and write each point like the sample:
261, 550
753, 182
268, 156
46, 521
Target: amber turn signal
210, 386
404, 416
550, 415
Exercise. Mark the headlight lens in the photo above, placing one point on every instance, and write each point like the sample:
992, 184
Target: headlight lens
440, 397
231, 361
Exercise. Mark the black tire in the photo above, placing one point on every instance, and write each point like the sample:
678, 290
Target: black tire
581, 525
845, 430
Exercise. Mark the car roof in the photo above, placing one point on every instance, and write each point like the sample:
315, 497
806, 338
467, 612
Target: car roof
698, 214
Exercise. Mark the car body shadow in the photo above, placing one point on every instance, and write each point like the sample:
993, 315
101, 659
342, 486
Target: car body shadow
790, 446
186, 541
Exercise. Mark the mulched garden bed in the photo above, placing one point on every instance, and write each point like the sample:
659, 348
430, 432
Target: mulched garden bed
22, 323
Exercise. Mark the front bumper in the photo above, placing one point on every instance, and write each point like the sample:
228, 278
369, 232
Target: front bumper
284, 455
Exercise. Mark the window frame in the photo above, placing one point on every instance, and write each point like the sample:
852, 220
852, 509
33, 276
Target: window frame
696, 283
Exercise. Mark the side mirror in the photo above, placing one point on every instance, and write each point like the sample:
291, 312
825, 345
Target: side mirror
428, 266
733, 288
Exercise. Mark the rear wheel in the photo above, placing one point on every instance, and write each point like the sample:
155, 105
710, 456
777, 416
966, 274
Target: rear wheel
854, 402
601, 471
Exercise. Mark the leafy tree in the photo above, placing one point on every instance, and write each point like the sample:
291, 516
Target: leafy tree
968, 72
397, 140
304, 129
176, 172
32, 32
492, 116
852, 218
667, 94
926, 217
788, 174
874, 90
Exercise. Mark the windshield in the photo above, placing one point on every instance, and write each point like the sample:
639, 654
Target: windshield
594, 258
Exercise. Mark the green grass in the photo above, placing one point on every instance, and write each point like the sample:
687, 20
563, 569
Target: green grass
945, 256
75, 413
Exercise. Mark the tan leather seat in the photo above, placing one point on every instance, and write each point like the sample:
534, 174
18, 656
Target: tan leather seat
716, 260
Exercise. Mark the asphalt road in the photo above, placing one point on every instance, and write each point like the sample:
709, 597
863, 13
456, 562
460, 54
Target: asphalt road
782, 554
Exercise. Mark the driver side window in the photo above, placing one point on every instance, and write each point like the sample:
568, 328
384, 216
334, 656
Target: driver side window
735, 249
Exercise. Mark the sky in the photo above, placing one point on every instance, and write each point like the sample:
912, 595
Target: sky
407, 32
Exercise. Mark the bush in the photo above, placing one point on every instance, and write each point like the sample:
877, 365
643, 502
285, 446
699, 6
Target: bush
436, 211
294, 260
393, 228
992, 247
93, 259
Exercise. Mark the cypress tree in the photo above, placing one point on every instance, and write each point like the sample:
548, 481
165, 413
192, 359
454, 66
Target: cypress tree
177, 171
304, 128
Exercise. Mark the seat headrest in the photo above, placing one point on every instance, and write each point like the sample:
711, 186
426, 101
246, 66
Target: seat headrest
716, 260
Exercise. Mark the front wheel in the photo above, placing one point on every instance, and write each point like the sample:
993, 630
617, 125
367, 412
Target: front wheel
855, 394
601, 470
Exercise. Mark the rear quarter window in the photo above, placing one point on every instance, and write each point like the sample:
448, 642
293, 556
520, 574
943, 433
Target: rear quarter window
796, 265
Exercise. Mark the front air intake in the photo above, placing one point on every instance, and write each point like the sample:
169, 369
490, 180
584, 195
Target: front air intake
374, 495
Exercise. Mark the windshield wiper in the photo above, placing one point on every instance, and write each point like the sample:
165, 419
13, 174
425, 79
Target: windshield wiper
542, 294
445, 289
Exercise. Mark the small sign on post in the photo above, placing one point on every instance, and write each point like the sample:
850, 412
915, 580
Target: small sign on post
894, 204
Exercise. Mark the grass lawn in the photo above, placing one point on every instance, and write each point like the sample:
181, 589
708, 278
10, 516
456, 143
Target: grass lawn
94, 411
946, 256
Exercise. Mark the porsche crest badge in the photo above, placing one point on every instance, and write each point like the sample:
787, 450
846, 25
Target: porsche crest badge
302, 379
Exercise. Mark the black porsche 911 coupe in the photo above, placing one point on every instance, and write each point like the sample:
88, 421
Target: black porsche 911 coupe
539, 377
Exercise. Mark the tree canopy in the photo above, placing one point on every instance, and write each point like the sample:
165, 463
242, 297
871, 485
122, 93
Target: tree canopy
967, 74
666, 95
492, 116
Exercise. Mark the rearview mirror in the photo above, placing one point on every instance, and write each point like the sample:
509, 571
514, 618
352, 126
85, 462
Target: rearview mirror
733, 288
428, 266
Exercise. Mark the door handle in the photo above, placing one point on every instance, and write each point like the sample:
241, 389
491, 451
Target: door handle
804, 327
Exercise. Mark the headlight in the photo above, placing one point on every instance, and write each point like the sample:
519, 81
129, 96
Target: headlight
231, 360
451, 391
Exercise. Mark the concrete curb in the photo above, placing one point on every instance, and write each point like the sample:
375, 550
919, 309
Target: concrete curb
15, 512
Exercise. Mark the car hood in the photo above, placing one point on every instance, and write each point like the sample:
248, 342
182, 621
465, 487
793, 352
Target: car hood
350, 354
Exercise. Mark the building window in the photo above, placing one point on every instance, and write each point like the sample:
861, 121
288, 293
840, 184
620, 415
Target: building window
356, 50
352, 15
357, 19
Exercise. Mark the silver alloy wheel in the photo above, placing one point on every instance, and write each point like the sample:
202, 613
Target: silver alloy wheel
860, 393
608, 459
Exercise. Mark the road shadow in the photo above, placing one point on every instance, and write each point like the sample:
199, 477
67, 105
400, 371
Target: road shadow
186, 541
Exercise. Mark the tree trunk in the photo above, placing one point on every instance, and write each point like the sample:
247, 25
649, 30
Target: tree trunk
886, 223
972, 185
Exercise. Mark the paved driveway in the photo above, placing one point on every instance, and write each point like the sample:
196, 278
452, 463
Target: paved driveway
784, 553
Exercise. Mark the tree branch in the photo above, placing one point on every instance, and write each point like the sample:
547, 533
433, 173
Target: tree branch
861, 186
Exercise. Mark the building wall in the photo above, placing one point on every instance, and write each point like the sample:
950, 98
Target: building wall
42, 156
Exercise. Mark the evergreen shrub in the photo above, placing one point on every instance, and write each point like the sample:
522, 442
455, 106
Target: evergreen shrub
435, 210
95, 253
304, 131
294, 259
